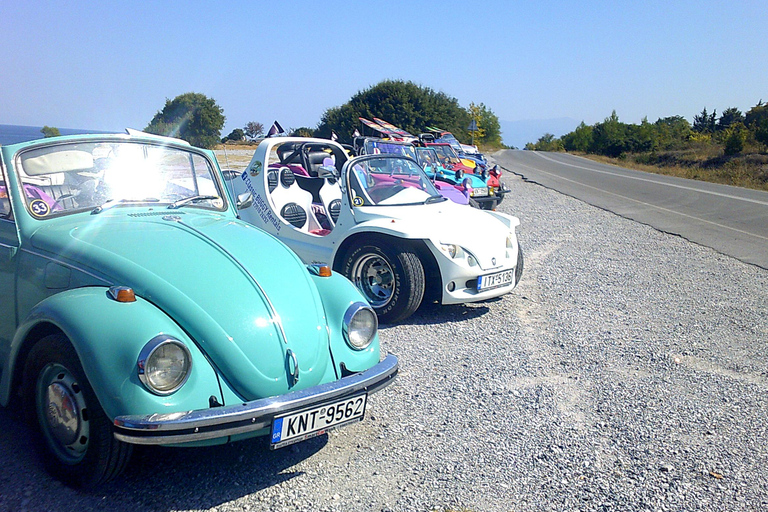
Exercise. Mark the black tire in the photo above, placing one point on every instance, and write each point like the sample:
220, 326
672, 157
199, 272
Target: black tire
519, 265
79, 449
390, 278
488, 205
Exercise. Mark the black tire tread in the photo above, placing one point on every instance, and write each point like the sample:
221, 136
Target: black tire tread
106, 457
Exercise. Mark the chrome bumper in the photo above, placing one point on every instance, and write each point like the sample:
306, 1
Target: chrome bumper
202, 424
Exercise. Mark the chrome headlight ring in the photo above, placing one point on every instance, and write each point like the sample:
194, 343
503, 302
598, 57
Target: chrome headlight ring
360, 325
164, 365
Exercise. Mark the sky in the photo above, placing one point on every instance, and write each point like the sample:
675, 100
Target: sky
111, 65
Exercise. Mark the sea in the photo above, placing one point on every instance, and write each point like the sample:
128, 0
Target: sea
11, 133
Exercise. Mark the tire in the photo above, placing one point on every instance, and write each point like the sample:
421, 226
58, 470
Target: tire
390, 278
488, 205
78, 449
473, 203
519, 265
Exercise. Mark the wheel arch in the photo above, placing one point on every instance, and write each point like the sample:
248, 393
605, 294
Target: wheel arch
433, 278
107, 344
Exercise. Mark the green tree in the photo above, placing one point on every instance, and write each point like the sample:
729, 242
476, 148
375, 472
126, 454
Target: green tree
672, 132
50, 131
254, 129
735, 136
488, 122
728, 118
191, 116
609, 138
302, 132
404, 104
756, 121
579, 139
236, 135
703, 122
547, 142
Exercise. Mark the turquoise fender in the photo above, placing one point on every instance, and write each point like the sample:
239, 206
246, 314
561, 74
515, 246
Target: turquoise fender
108, 337
338, 293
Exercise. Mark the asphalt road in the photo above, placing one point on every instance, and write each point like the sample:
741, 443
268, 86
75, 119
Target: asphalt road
731, 220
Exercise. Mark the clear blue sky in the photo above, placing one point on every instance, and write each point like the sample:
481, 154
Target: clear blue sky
111, 65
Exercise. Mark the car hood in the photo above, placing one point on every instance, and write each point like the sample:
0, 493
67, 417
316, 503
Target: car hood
482, 233
243, 296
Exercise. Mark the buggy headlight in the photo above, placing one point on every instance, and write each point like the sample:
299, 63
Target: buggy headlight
360, 325
164, 365
510, 240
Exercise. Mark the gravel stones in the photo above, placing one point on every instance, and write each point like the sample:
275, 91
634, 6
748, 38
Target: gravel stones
628, 371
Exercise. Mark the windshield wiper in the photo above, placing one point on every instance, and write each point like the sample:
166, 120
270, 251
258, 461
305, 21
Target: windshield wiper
111, 203
434, 199
191, 199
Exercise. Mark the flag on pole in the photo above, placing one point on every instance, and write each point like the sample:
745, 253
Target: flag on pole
276, 129
334, 137
356, 134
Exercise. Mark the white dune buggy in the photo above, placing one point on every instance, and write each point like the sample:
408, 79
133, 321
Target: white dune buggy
378, 220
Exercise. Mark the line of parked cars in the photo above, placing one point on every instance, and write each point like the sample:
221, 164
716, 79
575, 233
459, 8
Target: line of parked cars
150, 298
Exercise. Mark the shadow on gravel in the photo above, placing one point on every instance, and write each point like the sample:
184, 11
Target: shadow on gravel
435, 314
157, 479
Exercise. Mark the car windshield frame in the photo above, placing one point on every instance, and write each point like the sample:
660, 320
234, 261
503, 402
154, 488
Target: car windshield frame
69, 177
447, 151
388, 180
373, 147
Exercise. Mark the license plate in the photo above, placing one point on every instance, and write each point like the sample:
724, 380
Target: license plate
308, 423
494, 280
479, 192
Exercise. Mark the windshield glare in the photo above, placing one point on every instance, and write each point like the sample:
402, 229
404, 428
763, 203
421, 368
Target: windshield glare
388, 181
71, 177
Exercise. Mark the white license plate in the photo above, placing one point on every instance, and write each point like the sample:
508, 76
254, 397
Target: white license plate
479, 192
495, 280
316, 421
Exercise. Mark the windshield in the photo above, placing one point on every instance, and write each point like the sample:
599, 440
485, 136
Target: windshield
72, 177
427, 158
389, 181
376, 147
446, 155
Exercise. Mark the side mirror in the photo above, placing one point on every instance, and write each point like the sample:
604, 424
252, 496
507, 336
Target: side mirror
244, 200
230, 175
458, 175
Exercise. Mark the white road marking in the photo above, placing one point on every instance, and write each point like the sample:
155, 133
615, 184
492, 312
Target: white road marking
641, 202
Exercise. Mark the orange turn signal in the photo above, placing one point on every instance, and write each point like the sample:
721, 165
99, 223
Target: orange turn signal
122, 293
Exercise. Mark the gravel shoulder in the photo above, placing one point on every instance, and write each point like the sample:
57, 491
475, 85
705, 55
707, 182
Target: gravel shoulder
628, 371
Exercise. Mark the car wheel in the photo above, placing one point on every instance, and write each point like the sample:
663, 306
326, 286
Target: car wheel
390, 278
519, 265
74, 433
488, 205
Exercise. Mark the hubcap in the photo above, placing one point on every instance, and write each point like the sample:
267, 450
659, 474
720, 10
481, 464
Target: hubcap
374, 277
63, 413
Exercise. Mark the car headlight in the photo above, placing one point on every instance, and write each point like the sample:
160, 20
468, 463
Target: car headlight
164, 364
450, 249
510, 240
360, 325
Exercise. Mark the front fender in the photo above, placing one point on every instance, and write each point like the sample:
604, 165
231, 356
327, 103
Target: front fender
108, 336
338, 294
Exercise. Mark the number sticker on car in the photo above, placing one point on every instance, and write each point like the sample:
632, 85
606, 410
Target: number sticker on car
496, 280
317, 420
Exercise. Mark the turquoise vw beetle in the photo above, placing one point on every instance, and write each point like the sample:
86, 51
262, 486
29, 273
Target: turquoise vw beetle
137, 309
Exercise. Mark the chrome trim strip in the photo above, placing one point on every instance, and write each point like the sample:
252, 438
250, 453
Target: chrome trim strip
215, 422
